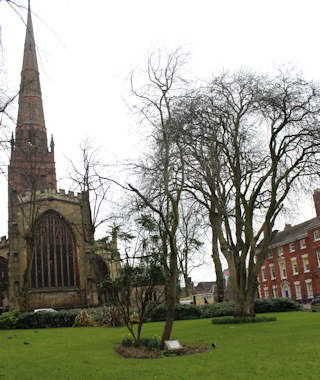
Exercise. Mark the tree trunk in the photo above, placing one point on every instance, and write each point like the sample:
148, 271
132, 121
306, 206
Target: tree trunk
24, 291
187, 285
244, 298
171, 299
217, 265
243, 290
244, 306
139, 328
87, 224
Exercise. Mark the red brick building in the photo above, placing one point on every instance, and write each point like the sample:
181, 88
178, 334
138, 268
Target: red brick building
292, 268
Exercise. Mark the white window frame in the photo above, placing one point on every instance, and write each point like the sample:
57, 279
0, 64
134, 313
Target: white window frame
263, 274
294, 260
309, 288
272, 271
259, 291
292, 247
274, 291
283, 292
303, 244
266, 292
283, 277
318, 256
316, 235
297, 288
304, 262
280, 251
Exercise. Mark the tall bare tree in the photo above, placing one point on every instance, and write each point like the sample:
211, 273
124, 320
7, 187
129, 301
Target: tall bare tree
253, 140
88, 178
156, 101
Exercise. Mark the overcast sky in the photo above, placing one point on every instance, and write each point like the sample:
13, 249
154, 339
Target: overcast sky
86, 50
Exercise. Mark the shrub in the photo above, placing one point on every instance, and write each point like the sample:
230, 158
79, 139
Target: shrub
187, 312
151, 343
217, 310
127, 342
46, 320
181, 312
105, 315
272, 305
9, 320
159, 313
222, 309
83, 320
113, 317
235, 320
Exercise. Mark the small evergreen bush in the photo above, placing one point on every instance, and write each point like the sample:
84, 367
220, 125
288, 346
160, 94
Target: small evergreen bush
9, 320
181, 312
159, 313
217, 310
151, 343
127, 342
187, 312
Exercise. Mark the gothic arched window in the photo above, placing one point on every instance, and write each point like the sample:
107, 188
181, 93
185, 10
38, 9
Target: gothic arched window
54, 262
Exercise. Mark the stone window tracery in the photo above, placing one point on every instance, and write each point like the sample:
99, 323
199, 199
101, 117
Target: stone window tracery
54, 261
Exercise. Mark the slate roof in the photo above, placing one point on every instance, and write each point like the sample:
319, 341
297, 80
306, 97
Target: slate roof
291, 234
206, 286
202, 287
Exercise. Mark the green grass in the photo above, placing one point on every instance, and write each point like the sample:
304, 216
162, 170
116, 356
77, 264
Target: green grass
286, 349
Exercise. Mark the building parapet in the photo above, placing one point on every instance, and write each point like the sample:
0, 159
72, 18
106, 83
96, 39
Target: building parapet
51, 194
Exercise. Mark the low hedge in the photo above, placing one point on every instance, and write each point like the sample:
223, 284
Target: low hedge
46, 320
217, 310
275, 305
107, 316
181, 312
237, 320
110, 317
222, 309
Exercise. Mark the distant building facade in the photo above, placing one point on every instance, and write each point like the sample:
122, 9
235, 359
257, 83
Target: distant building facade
292, 268
201, 294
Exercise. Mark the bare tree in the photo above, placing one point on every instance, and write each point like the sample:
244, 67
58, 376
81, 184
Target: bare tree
190, 244
253, 140
156, 102
88, 178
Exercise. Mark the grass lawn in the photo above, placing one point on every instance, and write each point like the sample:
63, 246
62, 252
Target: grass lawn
286, 349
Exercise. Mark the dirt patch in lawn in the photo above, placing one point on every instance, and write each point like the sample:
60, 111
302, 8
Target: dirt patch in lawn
145, 353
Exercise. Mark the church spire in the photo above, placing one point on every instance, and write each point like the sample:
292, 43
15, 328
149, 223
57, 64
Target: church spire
31, 160
30, 98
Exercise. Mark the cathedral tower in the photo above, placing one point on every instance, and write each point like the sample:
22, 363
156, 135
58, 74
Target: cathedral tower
50, 259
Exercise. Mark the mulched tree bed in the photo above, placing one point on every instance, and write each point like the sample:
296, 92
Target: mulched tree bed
145, 353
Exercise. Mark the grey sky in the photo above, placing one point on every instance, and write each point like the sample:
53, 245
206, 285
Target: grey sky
86, 50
